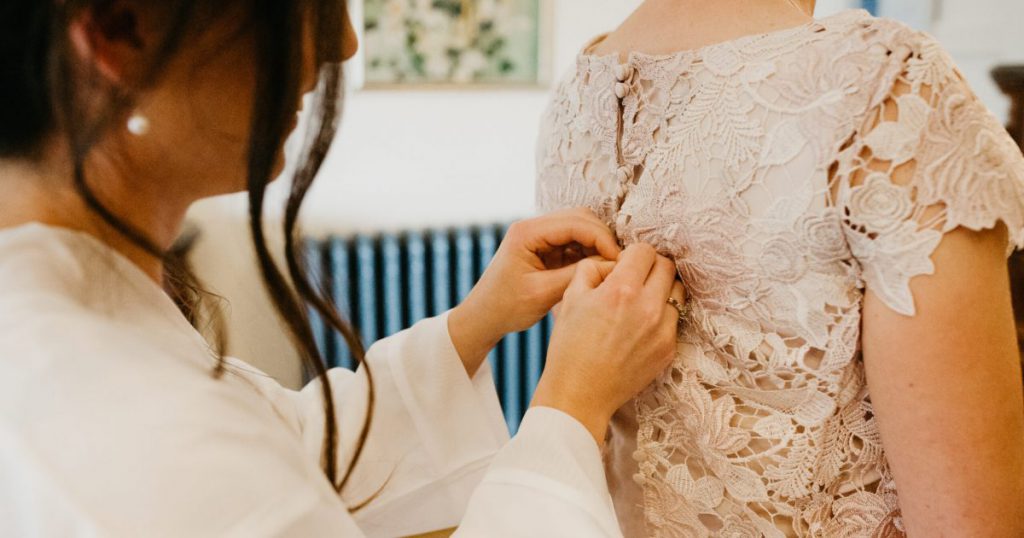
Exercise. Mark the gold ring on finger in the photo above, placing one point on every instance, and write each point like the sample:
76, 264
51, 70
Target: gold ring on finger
682, 308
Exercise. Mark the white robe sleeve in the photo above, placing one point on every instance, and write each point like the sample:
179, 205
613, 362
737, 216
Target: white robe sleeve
434, 431
439, 438
548, 482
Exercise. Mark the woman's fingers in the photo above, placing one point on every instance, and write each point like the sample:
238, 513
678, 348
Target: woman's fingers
678, 291
633, 266
559, 230
669, 334
660, 280
590, 216
556, 281
588, 274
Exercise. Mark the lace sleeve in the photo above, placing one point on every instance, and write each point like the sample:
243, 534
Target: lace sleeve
929, 158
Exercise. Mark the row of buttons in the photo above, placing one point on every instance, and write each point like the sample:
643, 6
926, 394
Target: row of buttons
624, 174
622, 74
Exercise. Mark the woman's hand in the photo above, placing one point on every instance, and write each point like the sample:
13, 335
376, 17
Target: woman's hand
528, 275
614, 334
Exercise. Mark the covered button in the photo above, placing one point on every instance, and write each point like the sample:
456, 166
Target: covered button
623, 72
624, 174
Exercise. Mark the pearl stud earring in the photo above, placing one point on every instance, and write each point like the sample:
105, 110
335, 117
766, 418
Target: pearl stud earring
138, 124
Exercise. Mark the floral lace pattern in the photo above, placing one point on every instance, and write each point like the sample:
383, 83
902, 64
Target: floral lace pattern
765, 167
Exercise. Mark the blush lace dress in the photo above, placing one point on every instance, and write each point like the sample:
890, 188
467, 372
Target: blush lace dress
764, 166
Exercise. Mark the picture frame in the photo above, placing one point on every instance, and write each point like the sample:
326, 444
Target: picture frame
451, 44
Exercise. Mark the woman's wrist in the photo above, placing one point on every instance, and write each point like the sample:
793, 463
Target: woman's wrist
594, 418
474, 333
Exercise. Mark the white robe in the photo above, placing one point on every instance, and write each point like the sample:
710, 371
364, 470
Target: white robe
112, 425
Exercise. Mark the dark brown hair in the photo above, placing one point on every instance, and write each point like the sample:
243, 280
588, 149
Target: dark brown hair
39, 98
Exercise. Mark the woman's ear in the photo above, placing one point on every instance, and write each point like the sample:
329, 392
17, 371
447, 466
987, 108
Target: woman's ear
109, 37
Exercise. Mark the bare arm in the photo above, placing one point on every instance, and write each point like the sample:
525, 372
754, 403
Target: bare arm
946, 389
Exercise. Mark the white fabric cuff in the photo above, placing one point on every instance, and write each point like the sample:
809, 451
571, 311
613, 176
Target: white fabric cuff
554, 449
454, 415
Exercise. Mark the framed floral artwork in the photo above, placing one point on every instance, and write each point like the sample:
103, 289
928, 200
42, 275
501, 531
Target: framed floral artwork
452, 43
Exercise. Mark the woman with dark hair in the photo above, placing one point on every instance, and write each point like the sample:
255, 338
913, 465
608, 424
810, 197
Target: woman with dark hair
116, 416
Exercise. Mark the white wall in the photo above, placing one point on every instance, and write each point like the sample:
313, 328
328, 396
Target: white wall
444, 157
981, 34
427, 158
